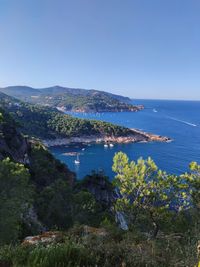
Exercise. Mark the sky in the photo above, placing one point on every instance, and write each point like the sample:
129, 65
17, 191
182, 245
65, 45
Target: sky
137, 48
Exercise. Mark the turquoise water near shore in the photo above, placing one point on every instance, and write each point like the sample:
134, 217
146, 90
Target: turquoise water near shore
179, 120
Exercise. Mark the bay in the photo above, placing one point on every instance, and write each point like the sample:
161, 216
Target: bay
179, 120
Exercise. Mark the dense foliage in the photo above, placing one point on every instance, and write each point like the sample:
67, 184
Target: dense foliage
45, 169
98, 102
41, 197
130, 249
44, 122
161, 210
15, 198
146, 190
149, 198
72, 99
57, 204
12, 143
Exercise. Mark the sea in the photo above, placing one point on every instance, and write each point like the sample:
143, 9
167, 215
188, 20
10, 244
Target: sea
179, 120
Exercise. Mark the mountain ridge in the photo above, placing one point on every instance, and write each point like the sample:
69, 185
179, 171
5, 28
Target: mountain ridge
58, 88
72, 99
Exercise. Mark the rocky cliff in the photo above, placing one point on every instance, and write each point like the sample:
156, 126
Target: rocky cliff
134, 136
100, 187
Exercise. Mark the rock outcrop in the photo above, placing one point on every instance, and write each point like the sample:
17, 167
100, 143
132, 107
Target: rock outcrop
100, 187
106, 194
44, 238
133, 137
56, 237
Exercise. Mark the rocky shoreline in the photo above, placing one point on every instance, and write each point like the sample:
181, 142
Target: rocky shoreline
134, 137
114, 109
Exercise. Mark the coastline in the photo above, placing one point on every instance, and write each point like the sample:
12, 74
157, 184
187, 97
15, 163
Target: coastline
84, 110
134, 137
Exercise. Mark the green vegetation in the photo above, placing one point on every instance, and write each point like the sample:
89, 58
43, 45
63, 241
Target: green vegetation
44, 122
118, 249
15, 198
58, 255
149, 192
12, 143
162, 211
37, 195
57, 202
97, 102
70, 126
72, 99
42, 194
45, 169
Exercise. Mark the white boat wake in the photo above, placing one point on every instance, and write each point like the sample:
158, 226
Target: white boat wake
185, 122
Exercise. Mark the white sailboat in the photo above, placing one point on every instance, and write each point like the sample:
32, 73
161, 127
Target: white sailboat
105, 145
77, 160
111, 145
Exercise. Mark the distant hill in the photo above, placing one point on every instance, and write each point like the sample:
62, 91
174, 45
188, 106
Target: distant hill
71, 99
19, 91
6, 99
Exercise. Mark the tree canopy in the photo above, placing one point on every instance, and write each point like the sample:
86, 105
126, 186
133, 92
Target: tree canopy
144, 189
15, 198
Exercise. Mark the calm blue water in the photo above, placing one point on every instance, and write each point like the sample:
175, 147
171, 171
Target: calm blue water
179, 120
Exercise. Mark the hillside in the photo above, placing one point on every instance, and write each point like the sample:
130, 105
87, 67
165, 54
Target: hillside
36, 190
24, 150
49, 124
70, 99
44, 122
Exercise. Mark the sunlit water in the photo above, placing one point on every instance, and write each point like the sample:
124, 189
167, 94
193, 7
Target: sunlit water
179, 120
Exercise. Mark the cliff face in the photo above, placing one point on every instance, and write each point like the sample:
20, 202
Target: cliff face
100, 187
12, 143
106, 194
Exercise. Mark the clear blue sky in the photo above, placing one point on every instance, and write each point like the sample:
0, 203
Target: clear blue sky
138, 48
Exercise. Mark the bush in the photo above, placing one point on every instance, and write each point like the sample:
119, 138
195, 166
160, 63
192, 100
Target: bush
56, 255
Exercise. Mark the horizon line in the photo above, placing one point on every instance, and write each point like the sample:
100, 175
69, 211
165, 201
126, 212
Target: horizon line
167, 99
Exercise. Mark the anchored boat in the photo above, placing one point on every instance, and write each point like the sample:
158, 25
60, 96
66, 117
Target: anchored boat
77, 160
